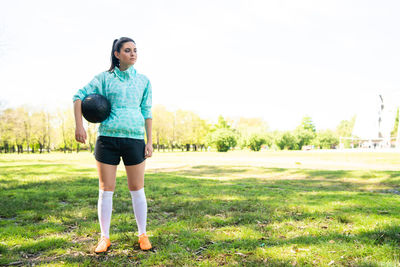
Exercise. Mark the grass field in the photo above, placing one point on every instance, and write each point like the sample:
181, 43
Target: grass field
207, 209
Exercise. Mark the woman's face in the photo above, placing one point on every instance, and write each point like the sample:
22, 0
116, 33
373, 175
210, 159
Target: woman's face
127, 55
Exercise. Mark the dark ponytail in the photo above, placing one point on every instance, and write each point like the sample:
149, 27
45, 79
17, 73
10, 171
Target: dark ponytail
117, 44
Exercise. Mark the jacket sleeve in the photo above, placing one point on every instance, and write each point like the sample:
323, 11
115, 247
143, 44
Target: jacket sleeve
94, 87
146, 103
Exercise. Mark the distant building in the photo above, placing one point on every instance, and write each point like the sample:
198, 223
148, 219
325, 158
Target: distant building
375, 121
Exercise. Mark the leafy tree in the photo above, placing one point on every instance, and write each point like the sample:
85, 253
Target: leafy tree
393, 133
24, 114
304, 137
222, 123
67, 130
224, 139
28, 133
307, 124
345, 127
190, 130
247, 127
256, 141
200, 130
184, 128
287, 140
8, 122
163, 126
50, 129
305, 132
18, 129
213, 132
40, 129
326, 139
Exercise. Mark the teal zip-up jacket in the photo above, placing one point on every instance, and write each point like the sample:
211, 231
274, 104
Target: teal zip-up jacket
130, 96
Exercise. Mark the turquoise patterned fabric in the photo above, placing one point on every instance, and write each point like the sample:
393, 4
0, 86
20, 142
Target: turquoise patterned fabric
130, 96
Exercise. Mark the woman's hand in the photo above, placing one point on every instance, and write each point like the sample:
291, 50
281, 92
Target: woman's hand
148, 151
80, 134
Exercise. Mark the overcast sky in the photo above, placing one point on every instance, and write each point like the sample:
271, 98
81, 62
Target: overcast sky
279, 60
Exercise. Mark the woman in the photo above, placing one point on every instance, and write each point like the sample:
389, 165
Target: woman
120, 135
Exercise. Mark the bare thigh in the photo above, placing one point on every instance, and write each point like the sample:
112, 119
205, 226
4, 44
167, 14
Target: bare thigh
135, 174
107, 174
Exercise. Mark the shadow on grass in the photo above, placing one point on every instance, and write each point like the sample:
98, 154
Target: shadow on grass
217, 171
70, 199
36, 170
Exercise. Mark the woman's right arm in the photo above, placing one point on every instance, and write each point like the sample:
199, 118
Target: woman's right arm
80, 133
95, 86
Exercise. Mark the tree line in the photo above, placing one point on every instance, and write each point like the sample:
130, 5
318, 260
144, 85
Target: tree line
31, 130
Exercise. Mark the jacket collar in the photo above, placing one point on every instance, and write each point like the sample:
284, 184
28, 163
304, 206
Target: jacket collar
126, 74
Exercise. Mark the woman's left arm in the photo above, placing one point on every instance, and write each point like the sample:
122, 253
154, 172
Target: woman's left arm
149, 145
145, 106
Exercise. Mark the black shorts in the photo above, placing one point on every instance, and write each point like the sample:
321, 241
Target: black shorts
110, 149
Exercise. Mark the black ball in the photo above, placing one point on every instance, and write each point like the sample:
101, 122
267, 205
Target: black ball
96, 108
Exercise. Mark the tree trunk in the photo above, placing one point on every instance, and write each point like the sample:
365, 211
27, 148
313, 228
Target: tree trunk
158, 141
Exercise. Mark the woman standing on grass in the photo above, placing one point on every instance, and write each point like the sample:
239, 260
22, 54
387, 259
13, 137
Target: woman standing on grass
120, 135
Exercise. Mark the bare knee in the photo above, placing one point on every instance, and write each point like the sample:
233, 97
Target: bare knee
135, 175
107, 176
107, 188
135, 188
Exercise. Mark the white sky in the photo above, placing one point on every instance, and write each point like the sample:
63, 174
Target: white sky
279, 60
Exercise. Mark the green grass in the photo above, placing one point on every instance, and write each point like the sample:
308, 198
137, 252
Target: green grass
207, 209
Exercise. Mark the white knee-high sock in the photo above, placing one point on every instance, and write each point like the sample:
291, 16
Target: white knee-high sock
104, 209
139, 204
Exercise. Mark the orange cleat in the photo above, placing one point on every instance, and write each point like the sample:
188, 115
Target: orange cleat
144, 242
103, 245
